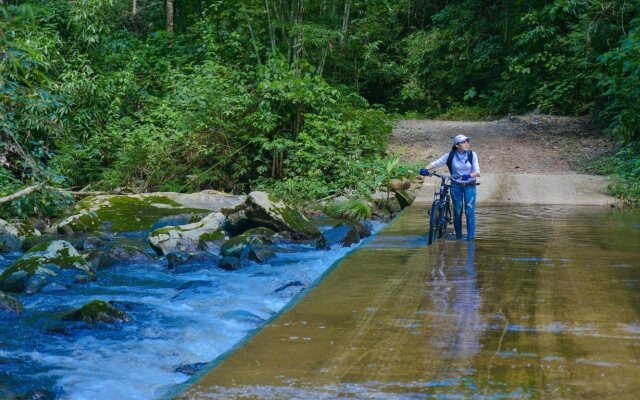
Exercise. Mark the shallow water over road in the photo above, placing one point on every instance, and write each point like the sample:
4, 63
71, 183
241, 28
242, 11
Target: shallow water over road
544, 304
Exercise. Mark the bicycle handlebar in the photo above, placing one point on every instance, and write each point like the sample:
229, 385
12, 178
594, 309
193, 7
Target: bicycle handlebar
445, 176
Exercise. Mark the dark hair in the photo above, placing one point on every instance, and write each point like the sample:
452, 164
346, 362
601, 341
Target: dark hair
454, 147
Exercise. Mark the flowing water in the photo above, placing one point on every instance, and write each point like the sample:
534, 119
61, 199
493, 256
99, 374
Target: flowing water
544, 304
180, 321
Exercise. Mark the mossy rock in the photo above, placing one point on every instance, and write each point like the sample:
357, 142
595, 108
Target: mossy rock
9, 243
6, 227
349, 233
260, 253
261, 210
117, 254
32, 241
212, 237
404, 199
45, 259
393, 205
230, 263
92, 243
122, 213
235, 245
98, 311
129, 254
191, 237
10, 304
399, 184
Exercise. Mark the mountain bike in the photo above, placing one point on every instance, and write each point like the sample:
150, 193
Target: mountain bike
440, 213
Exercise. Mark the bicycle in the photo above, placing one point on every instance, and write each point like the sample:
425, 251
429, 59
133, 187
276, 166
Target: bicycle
440, 213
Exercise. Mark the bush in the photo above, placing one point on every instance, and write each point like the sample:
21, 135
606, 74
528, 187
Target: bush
458, 112
622, 87
351, 210
625, 166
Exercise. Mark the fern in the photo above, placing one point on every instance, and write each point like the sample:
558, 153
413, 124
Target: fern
351, 210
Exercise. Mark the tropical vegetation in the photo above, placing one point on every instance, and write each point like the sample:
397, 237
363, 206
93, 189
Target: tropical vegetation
294, 96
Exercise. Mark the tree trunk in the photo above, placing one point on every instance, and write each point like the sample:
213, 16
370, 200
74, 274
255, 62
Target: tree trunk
134, 8
255, 43
169, 15
291, 56
323, 58
272, 33
345, 20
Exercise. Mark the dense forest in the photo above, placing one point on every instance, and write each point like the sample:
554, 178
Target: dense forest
291, 96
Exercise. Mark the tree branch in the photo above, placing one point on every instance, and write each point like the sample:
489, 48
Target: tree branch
37, 188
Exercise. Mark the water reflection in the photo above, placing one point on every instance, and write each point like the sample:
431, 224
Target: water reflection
455, 303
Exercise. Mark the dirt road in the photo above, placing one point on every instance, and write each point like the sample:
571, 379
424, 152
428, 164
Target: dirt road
515, 145
532, 159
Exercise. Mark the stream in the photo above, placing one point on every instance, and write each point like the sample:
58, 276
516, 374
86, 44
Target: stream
180, 322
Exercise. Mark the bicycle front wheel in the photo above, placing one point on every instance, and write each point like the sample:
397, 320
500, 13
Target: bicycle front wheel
437, 215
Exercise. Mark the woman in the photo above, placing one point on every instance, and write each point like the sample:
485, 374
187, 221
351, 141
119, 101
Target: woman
464, 168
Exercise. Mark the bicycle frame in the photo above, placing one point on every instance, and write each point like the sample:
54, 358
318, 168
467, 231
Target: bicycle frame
440, 214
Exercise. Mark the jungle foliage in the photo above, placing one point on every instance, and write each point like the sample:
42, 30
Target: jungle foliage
290, 95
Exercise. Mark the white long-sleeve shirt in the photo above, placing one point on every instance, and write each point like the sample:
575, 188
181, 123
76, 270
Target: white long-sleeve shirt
459, 166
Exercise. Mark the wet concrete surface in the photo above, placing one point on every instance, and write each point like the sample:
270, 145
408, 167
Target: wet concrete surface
544, 304
535, 189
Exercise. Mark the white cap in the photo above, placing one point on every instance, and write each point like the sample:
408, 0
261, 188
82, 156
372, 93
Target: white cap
459, 139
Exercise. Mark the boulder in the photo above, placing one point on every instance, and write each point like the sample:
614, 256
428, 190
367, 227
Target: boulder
210, 200
92, 243
121, 213
207, 233
57, 262
118, 253
98, 311
348, 233
180, 262
100, 259
236, 245
382, 196
9, 243
10, 239
32, 241
9, 304
129, 254
399, 184
176, 259
260, 253
393, 205
230, 263
259, 210
404, 199
254, 244
8, 228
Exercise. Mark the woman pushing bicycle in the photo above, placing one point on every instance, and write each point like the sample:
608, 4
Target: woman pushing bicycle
464, 169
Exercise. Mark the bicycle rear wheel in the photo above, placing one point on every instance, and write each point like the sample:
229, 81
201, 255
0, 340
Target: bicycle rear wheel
435, 228
446, 220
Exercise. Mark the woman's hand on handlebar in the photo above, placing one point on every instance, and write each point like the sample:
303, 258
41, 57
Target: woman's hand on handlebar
425, 172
